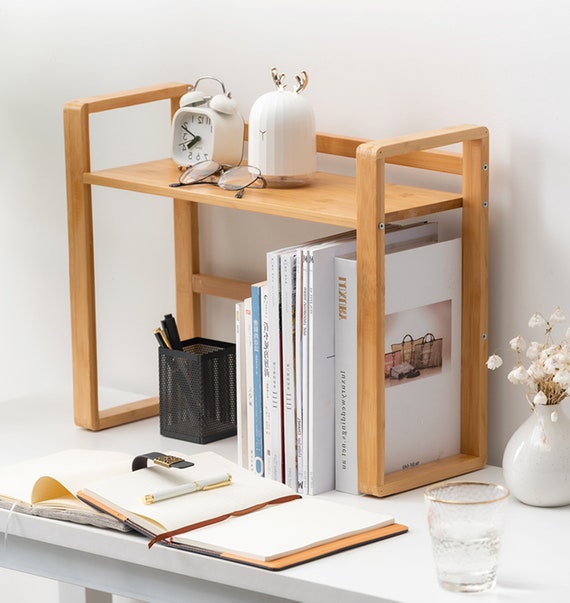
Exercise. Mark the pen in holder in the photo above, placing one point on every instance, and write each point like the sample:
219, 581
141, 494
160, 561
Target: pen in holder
197, 388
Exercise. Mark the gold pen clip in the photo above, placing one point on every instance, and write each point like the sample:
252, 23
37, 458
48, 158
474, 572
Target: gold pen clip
219, 484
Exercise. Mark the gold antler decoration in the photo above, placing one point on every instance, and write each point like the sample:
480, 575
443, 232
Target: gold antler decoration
302, 81
278, 79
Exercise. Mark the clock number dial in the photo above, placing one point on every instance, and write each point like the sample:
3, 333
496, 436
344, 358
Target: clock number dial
193, 137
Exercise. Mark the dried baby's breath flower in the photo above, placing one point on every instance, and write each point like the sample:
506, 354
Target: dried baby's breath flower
557, 316
518, 344
518, 375
537, 320
494, 362
547, 376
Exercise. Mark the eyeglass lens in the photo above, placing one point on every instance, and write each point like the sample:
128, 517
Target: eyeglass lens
239, 177
233, 179
200, 172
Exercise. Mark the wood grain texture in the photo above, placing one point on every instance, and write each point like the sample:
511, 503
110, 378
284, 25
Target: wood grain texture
370, 322
81, 259
81, 267
475, 297
371, 158
329, 198
365, 203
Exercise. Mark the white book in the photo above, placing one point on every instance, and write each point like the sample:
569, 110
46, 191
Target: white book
397, 238
301, 302
269, 438
288, 294
302, 357
320, 365
282, 335
241, 386
305, 292
424, 405
250, 429
346, 416
276, 395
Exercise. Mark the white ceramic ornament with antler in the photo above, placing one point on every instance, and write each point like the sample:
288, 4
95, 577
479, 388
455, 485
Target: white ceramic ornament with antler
282, 136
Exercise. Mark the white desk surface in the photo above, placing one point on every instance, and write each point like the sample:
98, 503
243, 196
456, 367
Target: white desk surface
534, 561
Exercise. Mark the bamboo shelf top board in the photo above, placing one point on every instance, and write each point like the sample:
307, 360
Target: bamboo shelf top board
329, 198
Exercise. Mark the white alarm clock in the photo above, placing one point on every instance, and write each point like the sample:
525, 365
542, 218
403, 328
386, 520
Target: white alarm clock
207, 128
282, 136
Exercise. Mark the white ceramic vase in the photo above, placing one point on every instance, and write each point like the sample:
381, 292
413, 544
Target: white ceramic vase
536, 462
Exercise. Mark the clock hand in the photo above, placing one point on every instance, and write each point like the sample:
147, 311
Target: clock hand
190, 144
183, 126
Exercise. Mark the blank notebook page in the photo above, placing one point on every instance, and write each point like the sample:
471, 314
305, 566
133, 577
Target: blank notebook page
286, 528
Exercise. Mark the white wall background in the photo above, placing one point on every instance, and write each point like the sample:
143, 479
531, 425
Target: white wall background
377, 69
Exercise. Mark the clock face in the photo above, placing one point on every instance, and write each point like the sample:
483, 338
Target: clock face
193, 137
203, 134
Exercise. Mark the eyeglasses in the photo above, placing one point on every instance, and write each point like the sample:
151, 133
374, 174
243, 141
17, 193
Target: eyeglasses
229, 178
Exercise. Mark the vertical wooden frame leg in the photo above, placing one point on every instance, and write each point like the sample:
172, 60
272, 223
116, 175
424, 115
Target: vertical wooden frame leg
473, 168
370, 330
475, 297
187, 259
81, 267
81, 259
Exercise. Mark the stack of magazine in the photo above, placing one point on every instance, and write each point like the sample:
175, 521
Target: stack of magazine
296, 357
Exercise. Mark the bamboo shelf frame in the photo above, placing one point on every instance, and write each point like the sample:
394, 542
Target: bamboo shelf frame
364, 203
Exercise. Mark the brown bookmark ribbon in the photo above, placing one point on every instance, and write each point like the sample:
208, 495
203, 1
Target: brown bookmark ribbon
209, 522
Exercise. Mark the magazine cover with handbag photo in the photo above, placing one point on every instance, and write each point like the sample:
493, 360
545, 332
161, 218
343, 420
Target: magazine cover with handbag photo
423, 355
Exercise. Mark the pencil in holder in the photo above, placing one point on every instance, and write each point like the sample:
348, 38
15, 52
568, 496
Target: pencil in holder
197, 388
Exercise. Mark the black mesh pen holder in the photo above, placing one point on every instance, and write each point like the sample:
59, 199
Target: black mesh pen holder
197, 388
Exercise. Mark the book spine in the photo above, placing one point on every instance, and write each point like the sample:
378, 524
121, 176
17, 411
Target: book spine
241, 386
309, 379
248, 336
257, 378
321, 392
288, 283
275, 444
346, 464
268, 457
299, 372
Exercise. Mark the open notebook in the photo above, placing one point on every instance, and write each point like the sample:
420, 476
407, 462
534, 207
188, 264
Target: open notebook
46, 486
253, 520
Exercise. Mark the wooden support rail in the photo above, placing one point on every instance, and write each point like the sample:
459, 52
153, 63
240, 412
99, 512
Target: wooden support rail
364, 203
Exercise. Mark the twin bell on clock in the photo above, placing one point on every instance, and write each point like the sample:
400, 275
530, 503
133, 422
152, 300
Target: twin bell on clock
281, 133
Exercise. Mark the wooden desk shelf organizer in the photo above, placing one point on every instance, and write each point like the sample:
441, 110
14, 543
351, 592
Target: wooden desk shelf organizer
364, 203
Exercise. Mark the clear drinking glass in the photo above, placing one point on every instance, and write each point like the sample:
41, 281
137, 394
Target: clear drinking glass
466, 522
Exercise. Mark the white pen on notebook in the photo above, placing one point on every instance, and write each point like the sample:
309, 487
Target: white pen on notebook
208, 483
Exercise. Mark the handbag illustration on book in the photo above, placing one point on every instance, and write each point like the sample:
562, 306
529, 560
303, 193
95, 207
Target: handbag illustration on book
391, 359
411, 355
427, 353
